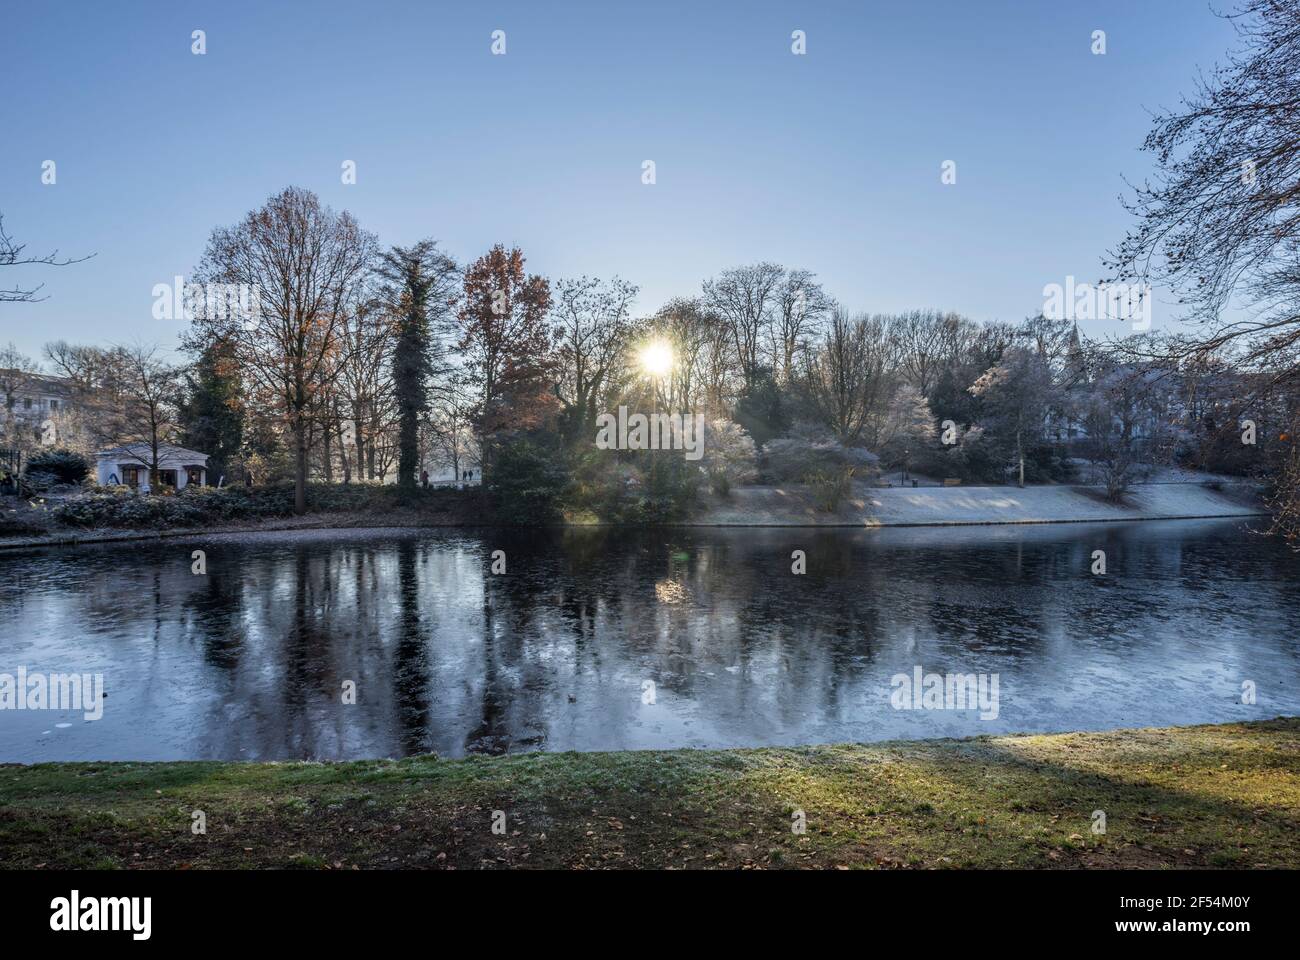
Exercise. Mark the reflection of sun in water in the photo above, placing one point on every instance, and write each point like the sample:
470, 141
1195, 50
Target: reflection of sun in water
670, 591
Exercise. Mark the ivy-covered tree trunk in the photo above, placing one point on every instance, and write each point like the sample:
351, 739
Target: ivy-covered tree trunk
420, 282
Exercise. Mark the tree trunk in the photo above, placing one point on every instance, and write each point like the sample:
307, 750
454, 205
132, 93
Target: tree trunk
408, 456
328, 453
343, 452
300, 480
358, 437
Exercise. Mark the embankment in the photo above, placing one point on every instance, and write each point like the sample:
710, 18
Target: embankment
937, 506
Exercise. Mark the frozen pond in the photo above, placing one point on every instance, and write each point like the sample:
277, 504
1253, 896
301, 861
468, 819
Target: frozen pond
623, 639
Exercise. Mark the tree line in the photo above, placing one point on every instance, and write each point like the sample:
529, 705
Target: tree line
364, 363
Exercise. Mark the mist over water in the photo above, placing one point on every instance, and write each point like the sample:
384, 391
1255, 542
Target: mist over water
564, 650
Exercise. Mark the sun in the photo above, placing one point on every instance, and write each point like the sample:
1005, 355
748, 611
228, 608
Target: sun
657, 358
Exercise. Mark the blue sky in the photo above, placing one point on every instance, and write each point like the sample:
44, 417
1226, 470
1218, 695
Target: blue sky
829, 161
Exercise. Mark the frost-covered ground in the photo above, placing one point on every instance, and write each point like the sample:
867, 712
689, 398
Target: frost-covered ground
899, 506
1086, 473
790, 505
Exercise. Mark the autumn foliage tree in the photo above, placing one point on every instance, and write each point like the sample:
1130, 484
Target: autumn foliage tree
507, 346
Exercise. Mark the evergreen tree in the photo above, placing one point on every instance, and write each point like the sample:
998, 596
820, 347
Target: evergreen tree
211, 412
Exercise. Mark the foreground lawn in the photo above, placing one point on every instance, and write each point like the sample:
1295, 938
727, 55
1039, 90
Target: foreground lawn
1211, 796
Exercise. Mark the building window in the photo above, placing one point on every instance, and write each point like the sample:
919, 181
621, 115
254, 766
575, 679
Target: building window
194, 476
54, 404
131, 476
27, 403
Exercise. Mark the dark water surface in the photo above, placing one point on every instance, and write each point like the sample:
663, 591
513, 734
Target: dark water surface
563, 651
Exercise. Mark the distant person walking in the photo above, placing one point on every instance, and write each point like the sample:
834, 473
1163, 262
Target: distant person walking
424, 479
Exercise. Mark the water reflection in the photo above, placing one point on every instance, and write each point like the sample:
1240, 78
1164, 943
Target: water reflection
253, 660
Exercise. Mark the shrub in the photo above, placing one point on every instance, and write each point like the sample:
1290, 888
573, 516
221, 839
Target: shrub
200, 506
830, 487
115, 510
728, 456
601, 486
973, 458
525, 485
40, 480
794, 459
65, 466
14, 524
761, 408
669, 493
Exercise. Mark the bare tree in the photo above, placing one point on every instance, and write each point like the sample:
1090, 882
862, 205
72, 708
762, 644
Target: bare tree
1051, 338
12, 255
845, 376
745, 298
1221, 222
593, 333
452, 425
97, 379
146, 421
86, 367
801, 308
928, 341
369, 336
906, 421
308, 266
1110, 416
701, 346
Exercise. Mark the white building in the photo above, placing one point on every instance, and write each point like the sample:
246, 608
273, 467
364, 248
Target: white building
129, 464
34, 406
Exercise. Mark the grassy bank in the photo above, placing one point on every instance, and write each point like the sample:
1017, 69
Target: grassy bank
1210, 796
98, 519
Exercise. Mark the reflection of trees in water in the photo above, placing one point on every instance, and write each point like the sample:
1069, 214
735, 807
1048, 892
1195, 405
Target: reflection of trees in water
298, 639
449, 656
130, 584
411, 678
311, 634
213, 614
308, 650
515, 635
